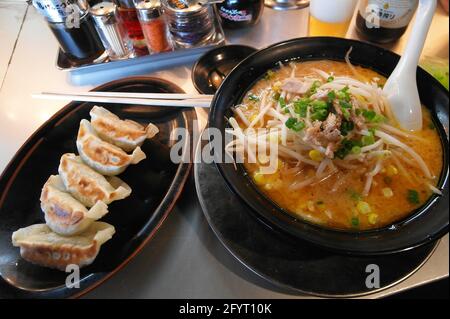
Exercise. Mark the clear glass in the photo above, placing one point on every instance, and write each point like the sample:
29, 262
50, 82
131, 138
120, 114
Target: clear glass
131, 23
116, 41
330, 17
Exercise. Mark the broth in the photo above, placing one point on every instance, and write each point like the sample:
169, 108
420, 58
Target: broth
337, 199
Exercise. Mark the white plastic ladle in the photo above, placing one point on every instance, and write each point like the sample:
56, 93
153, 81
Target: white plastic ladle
401, 87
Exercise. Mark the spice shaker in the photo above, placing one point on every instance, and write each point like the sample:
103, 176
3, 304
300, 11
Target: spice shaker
111, 30
154, 26
190, 23
73, 28
128, 15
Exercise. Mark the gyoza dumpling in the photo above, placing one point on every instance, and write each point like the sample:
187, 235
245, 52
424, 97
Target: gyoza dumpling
63, 213
88, 186
126, 134
40, 245
105, 158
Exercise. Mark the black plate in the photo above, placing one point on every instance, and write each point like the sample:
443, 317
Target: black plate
294, 265
425, 225
212, 68
156, 184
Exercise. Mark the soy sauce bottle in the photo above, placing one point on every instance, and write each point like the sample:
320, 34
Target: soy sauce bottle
384, 21
236, 14
73, 28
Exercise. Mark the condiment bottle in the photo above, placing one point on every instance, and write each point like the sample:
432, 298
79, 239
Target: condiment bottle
384, 21
236, 14
73, 28
111, 30
128, 14
153, 26
190, 22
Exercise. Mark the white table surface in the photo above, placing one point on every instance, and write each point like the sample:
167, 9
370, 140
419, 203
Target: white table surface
184, 260
12, 14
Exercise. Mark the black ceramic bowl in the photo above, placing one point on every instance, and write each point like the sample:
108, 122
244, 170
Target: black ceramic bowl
423, 226
213, 67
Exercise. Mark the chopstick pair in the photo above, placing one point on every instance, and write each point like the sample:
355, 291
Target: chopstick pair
153, 99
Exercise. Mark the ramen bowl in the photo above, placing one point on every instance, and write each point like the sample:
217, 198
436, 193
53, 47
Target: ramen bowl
421, 226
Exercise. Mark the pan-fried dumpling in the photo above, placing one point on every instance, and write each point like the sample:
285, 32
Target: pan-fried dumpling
40, 245
126, 134
88, 186
105, 158
63, 213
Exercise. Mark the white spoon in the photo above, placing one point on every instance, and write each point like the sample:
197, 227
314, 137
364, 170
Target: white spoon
401, 87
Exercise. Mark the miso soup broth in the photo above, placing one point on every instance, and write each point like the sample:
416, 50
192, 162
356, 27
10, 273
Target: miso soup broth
343, 161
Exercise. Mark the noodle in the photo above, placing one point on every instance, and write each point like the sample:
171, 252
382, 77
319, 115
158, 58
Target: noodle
339, 148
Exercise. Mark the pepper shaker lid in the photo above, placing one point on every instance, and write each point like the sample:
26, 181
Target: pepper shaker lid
104, 12
184, 7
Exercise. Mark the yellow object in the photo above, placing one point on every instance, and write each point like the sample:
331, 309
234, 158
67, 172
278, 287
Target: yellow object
322, 208
310, 206
277, 86
330, 17
363, 208
373, 218
316, 156
259, 178
391, 170
280, 164
320, 28
387, 192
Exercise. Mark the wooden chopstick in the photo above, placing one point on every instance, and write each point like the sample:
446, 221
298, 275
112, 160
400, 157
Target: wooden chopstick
197, 102
137, 95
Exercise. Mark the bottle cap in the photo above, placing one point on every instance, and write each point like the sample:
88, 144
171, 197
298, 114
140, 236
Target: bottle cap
148, 9
183, 7
104, 13
57, 11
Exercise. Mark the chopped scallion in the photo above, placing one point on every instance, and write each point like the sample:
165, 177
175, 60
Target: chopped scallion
253, 98
282, 102
295, 125
301, 106
346, 127
413, 197
368, 140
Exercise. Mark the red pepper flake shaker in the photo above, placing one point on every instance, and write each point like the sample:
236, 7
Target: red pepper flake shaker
153, 26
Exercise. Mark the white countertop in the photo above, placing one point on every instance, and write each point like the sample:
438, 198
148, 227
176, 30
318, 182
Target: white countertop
184, 251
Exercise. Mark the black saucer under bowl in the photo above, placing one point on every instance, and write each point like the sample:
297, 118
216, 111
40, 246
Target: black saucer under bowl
213, 67
295, 266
